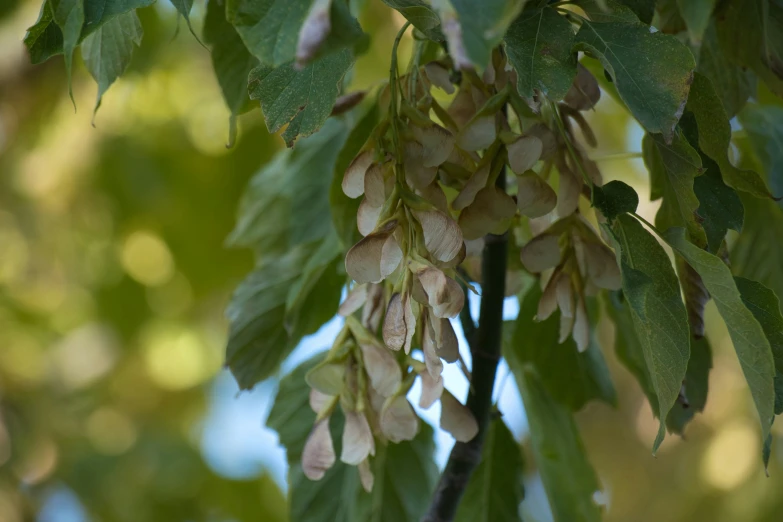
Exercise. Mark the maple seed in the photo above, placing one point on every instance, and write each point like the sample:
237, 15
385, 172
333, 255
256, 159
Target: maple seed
358, 442
318, 454
535, 198
540, 253
457, 419
398, 420
353, 179
442, 235
431, 390
524, 153
382, 369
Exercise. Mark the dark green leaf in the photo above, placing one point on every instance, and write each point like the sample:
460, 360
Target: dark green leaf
733, 84
673, 169
644, 9
98, 12
568, 477
765, 307
270, 28
44, 39
694, 387
107, 51
715, 137
291, 416
758, 252
615, 198
696, 14
751, 34
314, 298
231, 61
720, 208
330, 499
752, 347
631, 354
484, 24
421, 15
257, 339
287, 203
608, 11
495, 489
343, 208
652, 71
571, 378
302, 99
538, 45
764, 125
405, 478
69, 15
660, 321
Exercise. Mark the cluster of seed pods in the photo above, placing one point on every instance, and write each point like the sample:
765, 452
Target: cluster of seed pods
432, 179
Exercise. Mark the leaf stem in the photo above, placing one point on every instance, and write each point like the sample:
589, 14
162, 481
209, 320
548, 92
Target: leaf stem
485, 352
618, 156
393, 81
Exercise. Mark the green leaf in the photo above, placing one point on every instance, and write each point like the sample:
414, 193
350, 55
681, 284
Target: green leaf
231, 61
644, 9
314, 298
291, 416
630, 352
751, 35
69, 15
660, 321
495, 489
715, 137
421, 15
764, 125
184, 7
758, 252
720, 208
765, 307
733, 84
44, 39
302, 99
673, 169
608, 11
484, 24
568, 477
615, 198
538, 45
287, 203
695, 387
327, 500
405, 479
652, 71
257, 339
343, 208
98, 12
752, 347
270, 28
696, 14
571, 378
107, 51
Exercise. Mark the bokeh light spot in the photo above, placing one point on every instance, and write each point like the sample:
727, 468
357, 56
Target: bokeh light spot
177, 357
110, 432
147, 259
731, 457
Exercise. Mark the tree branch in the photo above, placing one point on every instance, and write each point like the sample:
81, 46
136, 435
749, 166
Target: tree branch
485, 352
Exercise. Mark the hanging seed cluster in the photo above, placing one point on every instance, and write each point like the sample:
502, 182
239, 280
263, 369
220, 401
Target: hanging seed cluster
432, 180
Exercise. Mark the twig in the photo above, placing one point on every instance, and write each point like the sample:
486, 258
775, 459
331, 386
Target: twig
485, 351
